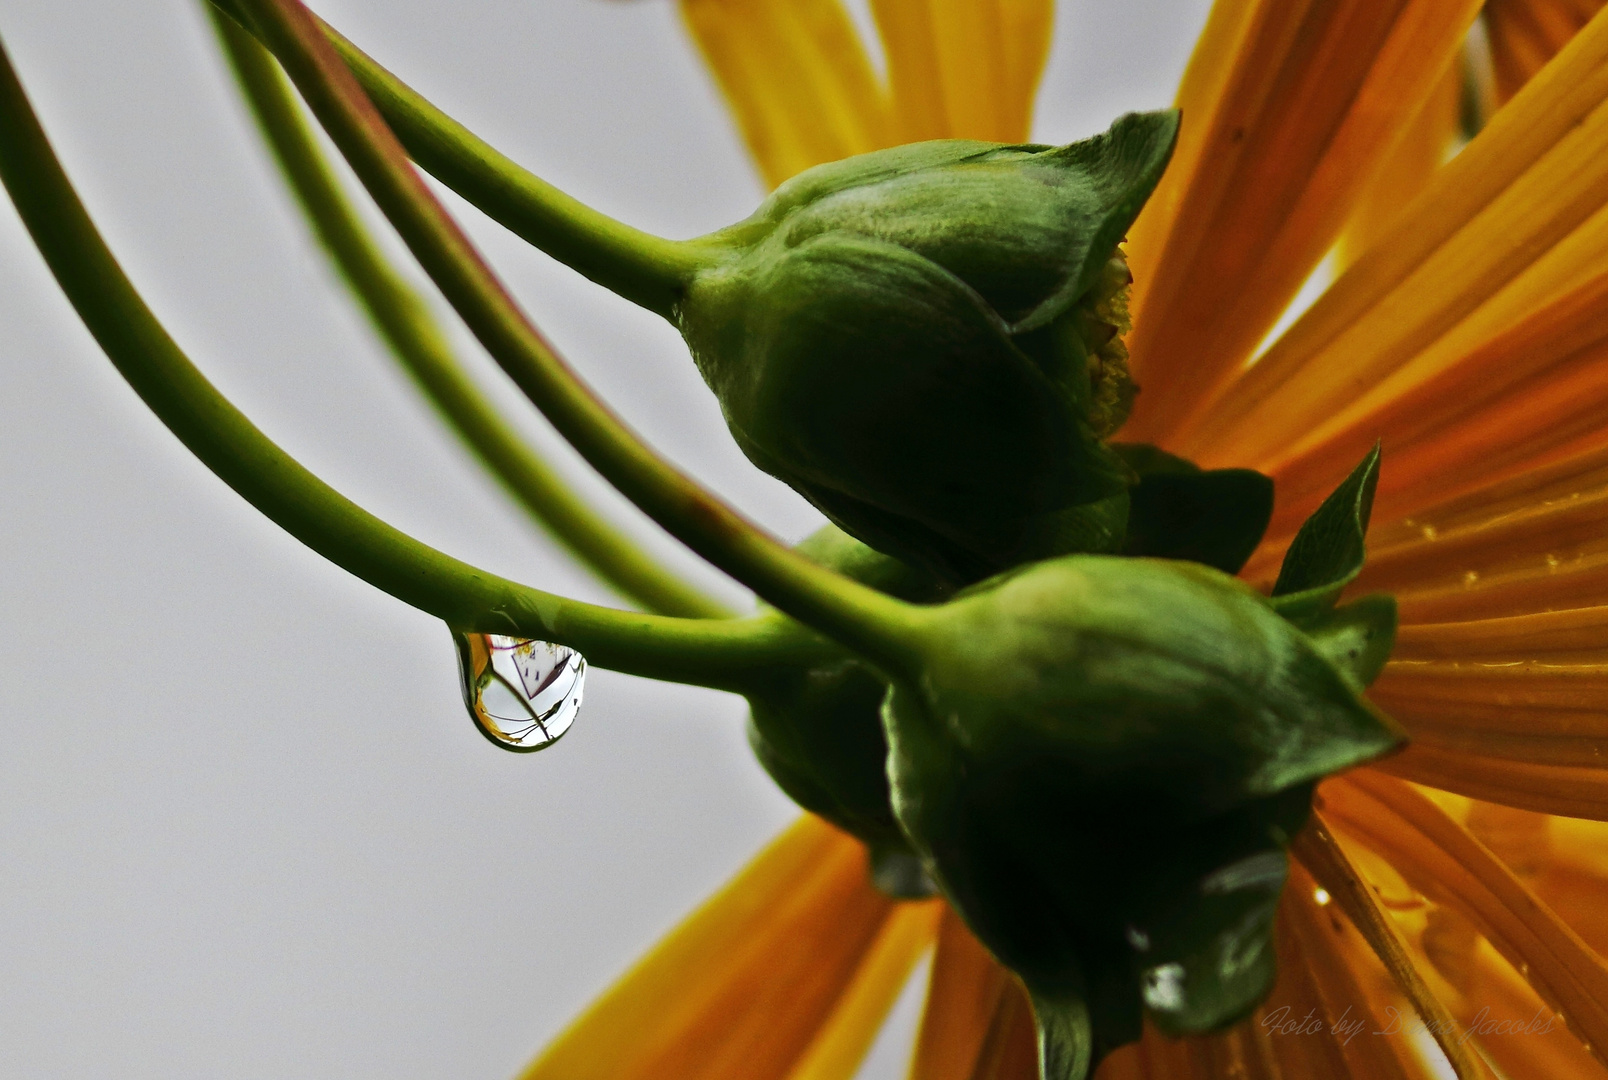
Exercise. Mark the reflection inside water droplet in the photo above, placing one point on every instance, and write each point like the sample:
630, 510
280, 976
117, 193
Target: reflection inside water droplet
522, 694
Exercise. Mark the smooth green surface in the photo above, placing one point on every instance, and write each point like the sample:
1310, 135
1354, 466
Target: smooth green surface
1356, 637
405, 323
1328, 552
1177, 511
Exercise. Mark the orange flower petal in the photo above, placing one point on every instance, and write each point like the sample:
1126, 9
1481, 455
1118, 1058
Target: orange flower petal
1010, 1049
1423, 146
1311, 109
1495, 220
1529, 396
1484, 993
1301, 992
1442, 859
1529, 688
848, 1034
964, 69
1529, 544
1551, 789
1525, 34
962, 998
797, 78
740, 989
1203, 97
1322, 857
1542, 1046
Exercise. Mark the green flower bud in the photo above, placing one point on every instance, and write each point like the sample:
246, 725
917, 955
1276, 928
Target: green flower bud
926, 342
1101, 763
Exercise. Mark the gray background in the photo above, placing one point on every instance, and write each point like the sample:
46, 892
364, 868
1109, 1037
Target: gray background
246, 829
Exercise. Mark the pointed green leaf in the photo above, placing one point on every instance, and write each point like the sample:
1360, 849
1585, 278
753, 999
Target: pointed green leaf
1358, 637
1328, 552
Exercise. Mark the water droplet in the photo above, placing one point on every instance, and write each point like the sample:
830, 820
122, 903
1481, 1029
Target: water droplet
1430, 532
1553, 562
1163, 987
522, 694
1321, 896
1469, 578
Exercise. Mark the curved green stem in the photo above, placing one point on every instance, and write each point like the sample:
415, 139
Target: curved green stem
647, 270
731, 654
881, 629
406, 325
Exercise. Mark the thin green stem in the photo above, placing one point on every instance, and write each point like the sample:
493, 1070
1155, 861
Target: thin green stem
729, 654
645, 269
882, 629
405, 323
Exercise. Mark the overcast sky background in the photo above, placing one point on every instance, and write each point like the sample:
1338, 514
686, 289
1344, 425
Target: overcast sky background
246, 828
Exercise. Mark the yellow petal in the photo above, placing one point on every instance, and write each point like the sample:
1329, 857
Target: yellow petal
1423, 146
1528, 396
962, 998
1506, 205
1530, 688
1512, 550
1525, 34
842, 1043
964, 69
1208, 90
740, 989
1315, 104
796, 77
1485, 995
1541, 1045
1443, 860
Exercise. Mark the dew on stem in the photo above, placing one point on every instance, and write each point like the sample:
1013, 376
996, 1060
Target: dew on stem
522, 694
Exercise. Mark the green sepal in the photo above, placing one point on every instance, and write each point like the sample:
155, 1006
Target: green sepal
1328, 552
1177, 511
1356, 637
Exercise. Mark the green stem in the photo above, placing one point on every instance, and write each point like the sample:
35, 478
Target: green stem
647, 270
881, 629
405, 323
729, 654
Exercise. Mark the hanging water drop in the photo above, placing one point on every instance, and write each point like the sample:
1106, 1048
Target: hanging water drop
522, 694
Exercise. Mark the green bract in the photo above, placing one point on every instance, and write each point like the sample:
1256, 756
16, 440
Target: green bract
1102, 761
925, 342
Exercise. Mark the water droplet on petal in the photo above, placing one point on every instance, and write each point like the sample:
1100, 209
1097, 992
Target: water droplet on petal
522, 694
